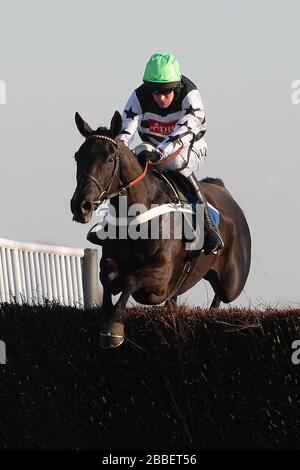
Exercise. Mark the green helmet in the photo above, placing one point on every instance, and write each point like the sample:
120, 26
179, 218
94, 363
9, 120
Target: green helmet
162, 68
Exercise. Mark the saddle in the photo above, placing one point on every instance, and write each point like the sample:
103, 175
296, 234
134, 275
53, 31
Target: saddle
183, 195
183, 192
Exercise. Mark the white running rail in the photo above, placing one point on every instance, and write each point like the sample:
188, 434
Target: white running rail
32, 273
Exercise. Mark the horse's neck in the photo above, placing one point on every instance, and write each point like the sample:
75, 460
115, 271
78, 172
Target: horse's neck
145, 190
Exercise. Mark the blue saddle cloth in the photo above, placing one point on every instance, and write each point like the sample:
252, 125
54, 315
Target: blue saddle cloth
214, 213
179, 184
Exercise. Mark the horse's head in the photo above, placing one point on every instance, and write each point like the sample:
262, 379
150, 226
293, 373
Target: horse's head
97, 163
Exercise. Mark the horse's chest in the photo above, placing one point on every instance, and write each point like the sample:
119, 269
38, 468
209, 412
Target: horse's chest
132, 255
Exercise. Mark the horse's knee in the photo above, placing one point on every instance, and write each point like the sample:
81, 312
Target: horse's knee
108, 270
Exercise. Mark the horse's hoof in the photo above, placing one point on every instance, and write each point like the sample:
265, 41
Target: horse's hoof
112, 335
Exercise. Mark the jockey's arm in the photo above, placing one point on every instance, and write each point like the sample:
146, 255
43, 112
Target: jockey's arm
190, 125
131, 117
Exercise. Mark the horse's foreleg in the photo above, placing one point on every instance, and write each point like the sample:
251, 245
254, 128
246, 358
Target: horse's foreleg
112, 330
155, 277
107, 304
108, 272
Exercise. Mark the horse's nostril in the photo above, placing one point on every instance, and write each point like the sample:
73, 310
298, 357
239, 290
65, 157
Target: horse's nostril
86, 206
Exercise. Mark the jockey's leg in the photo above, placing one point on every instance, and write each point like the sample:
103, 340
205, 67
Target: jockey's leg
212, 241
188, 161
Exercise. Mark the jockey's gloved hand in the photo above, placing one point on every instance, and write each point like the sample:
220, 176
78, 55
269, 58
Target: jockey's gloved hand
152, 156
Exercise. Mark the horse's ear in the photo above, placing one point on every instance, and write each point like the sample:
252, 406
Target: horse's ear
116, 124
82, 126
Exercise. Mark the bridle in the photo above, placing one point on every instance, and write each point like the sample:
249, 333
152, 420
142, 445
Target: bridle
104, 193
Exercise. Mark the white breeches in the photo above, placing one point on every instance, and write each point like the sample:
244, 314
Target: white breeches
187, 161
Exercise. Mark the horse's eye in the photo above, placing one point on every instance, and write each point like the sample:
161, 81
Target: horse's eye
110, 160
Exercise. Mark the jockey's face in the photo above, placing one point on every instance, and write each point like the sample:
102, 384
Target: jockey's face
163, 99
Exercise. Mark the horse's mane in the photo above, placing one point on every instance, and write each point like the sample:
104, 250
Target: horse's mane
216, 181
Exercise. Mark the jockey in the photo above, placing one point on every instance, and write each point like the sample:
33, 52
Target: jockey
167, 111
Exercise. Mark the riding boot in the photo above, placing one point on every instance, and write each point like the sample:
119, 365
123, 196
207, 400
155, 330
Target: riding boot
212, 241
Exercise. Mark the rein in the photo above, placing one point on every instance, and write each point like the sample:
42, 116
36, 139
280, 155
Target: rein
104, 193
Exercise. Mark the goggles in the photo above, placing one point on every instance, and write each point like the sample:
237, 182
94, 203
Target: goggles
167, 91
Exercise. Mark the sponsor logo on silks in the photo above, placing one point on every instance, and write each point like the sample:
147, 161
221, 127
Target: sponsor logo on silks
163, 128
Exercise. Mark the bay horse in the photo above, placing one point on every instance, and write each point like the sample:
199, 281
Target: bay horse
150, 270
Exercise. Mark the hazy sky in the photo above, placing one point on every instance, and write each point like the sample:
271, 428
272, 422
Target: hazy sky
59, 57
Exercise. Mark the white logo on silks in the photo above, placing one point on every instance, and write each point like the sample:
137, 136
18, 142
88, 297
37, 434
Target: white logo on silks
2, 92
2, 352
